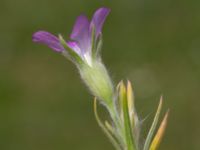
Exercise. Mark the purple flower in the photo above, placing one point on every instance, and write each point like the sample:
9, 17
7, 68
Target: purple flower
82, 36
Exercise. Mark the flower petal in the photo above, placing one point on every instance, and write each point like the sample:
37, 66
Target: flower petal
80, 33
98, 19
48, 39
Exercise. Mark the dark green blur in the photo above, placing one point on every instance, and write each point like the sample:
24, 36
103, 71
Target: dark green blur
153, 43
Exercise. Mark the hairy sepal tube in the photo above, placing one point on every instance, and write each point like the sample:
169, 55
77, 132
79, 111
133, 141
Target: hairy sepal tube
123, 128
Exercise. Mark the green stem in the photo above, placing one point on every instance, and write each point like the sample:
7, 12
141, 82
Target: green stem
118, 125
115, 143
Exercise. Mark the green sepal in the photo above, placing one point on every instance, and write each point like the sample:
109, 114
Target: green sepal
99, 44
70, 53
93, 41
96, 43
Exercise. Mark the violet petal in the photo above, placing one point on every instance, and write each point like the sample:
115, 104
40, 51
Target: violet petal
48, 39
80, 33
98, 19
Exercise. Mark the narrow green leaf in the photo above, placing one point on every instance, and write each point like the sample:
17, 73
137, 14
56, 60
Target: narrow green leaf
131, 106
112, 130
105, 130
153, 126
109, 127
135, 123
158, 137
119, 102
127, 123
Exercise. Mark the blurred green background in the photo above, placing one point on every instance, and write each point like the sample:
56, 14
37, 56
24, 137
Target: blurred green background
153, 43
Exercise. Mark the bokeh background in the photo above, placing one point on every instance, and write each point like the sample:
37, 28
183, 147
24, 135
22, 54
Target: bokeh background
153, 43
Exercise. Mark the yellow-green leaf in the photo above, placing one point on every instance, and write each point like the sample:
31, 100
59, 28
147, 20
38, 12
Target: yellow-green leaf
158, 137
